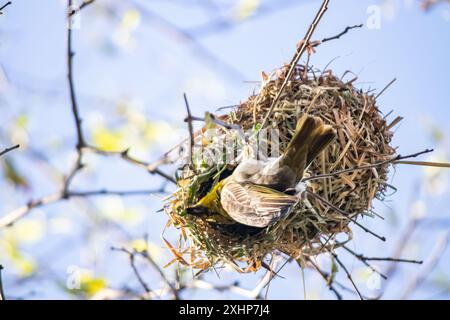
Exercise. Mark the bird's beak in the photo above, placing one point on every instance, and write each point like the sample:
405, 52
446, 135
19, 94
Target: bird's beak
197, 210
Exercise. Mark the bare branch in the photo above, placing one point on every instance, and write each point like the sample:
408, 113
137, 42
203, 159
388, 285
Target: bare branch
131, 256
395, 160
105, 192
4, 6
73, 98
223, 23
161, 273
145, 254
151, 167
385, 88
296, 58
349, 276
10, 218
345, 214
363, 259
81, 146
181, 35
2, 292
8, 150
191, 132
218, 122
81, 7
431, 262
391, 259
347, 29
327, 279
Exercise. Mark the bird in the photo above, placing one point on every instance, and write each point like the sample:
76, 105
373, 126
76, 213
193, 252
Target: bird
256, 193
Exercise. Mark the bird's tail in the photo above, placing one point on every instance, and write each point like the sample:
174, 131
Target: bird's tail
310, 138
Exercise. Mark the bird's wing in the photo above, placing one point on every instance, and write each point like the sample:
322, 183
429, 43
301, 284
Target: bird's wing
255, 205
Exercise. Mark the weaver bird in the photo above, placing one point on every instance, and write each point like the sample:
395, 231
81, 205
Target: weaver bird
254, 194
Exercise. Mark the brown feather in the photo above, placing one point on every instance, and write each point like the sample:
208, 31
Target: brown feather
311, 137
255, 205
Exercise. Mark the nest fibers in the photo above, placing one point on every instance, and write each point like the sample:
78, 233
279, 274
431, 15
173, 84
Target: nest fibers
363, 138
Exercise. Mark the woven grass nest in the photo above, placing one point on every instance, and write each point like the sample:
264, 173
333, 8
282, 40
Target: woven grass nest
363, 137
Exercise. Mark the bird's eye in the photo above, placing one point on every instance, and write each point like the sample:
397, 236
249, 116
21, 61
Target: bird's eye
196, 210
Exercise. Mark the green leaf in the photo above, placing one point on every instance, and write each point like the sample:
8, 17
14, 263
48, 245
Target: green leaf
13, 175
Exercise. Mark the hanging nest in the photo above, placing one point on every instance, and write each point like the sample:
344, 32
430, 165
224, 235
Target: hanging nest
363, 138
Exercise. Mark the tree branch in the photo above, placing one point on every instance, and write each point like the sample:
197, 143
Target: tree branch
363, 259
161, 273
347, 29
344, 214
394, 160
81, 7
431, 262
296, 58
73, 97
8, 150
181, 35
131, 256
81, 146
347, 273
151, 167
4, 6
325, 276
2, 292
191, 132
385, 88
12, 217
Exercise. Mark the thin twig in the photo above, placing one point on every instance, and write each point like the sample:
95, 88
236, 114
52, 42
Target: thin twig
425, 164
180, 35
191, 132
218, 122
395, 160
8, 150
345, 215
81, 146
296, 58
347, 29
349, 276
392, 260
161, 273
361, 258
81, 7
385, 88
431, 262
2, 292
327, 279
221, 23
78, 165
364, 258
4, 6
146, 255
131, 256
73, 97
10, 218
105, 192
151, 167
